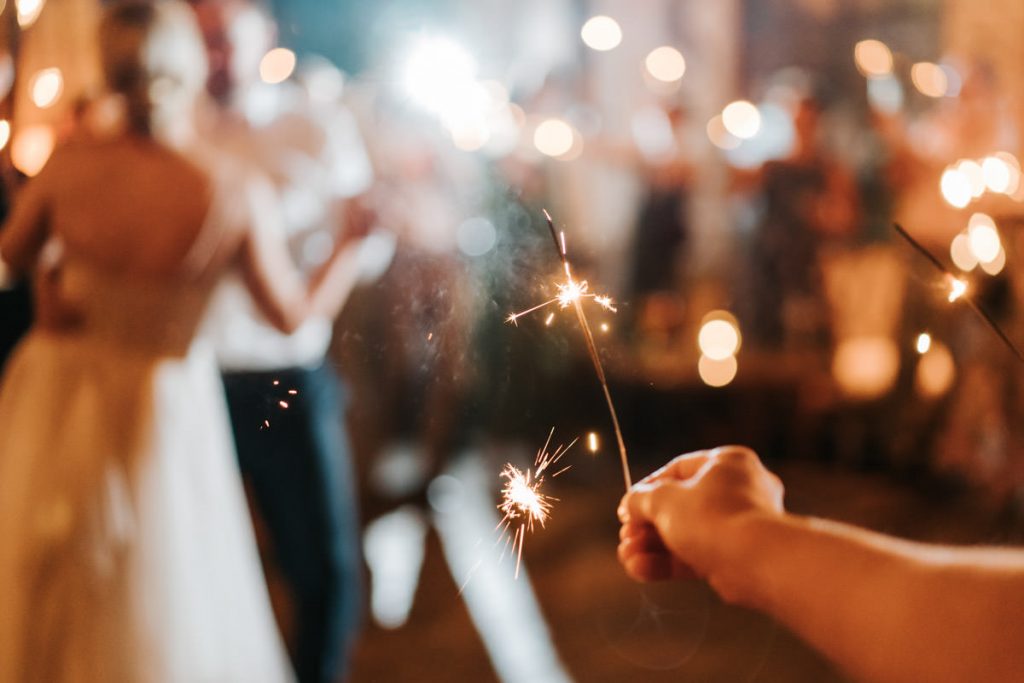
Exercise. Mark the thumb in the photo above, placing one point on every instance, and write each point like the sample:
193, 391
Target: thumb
642, 502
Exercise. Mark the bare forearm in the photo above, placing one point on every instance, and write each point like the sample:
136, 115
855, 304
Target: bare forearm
331, 285
885, 610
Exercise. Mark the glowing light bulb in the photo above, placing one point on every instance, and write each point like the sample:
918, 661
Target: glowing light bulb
957, 288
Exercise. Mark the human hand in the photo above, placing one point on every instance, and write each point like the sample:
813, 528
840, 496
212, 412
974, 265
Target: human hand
679, 521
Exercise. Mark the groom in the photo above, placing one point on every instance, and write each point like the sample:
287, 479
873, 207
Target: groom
286, 403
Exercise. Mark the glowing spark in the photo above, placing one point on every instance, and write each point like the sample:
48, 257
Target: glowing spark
523, 503
592, 443
276, 382
572, 293
430, 336
293, 392
957, 288
604, 327
924, 342
283, 404
547, 321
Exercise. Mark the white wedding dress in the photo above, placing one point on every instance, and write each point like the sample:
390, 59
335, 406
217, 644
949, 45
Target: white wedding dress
126, 549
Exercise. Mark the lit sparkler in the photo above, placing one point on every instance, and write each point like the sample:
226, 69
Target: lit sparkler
958, 291
572, 293
524, 504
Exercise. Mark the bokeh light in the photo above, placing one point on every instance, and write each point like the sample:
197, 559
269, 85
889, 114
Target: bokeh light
5, 132
741, 119
924, 342
961, 253
983, 237
277, 65
717, 373
46, 87
476, 236
956, 188
936, 371
439, 75
28, 11
719, 337
929, 79
873, 58
975, 176
866, 367
666, 64
996, 265
553, 137
31, 148
601, 33
719, 136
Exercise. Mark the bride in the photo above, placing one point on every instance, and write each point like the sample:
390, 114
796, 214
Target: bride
126, 552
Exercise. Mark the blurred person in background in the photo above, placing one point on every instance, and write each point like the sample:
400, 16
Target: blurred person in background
286, 403
882, 608
128, 553
807, 198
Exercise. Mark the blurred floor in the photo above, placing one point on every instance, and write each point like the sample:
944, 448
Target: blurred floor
607, 629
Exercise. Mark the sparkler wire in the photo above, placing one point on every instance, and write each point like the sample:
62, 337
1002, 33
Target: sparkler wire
968, 299
592, 351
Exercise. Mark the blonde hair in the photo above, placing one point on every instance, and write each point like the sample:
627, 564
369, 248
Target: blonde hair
151, 50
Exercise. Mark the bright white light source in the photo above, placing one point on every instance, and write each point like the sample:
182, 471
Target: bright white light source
961, 253
439, 75
5, 133
666, 64
28, 11
957, 288
718, 339
924, 342
601, 33
717, 373
929, 79
983, 237
277, 65
592, 443
873, 58
46, 87
742, 119
553, 137
956, 188
975, 176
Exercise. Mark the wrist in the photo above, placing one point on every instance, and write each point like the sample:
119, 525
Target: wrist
741, 572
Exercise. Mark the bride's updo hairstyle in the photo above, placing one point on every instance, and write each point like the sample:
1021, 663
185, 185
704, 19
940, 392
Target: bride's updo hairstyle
153, 57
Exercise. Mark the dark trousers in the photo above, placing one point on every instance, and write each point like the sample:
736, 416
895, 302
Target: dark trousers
296, 462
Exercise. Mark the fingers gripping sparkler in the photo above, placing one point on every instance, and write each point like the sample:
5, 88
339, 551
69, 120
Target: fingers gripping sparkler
571, 293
